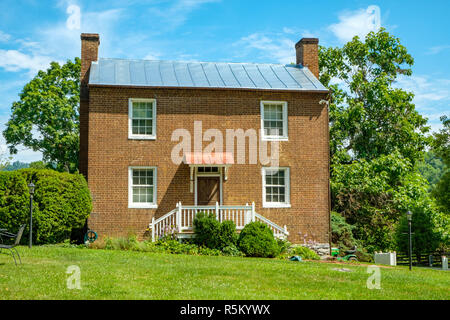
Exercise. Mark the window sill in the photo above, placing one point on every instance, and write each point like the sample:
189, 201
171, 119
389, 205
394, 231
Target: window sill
276, 205
275, 138
142, 137
142, 206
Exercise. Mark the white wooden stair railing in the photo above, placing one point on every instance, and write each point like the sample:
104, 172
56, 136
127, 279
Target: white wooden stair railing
180, 219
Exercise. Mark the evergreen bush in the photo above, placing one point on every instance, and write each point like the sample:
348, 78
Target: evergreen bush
61, 202
257, 240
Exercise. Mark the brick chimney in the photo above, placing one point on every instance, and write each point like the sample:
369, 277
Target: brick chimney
307, 51
89, 53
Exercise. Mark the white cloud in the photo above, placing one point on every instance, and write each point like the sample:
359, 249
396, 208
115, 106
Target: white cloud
425, 88
152, 56
300, 33
357, 23
177, 13
23, 154
4, 37
59, 41
288, 30
437, 49
13, 60
280, 49
431, 96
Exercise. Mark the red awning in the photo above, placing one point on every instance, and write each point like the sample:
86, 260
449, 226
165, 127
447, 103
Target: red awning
208, 158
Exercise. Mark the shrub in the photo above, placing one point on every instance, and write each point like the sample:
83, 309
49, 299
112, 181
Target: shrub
62, 202
207, 230
227, 234
341, 232
305, 253
175, 247
209, 252
283, 246
212, 234
161, 246
232, 251
257, 240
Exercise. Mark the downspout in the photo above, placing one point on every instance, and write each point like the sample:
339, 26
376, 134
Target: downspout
327, 102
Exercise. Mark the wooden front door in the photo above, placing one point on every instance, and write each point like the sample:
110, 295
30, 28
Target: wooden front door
208, 190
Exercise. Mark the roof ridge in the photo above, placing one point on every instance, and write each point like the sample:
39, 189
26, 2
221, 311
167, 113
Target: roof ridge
216, 62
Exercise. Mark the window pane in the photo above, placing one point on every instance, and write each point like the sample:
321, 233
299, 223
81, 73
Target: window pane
143, 184
143, 194
142, 127
207, 169
275, 186
142, 118
273, 119
142, 110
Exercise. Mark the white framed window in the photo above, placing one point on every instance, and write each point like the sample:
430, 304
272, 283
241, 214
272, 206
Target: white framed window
274, 120
142, 187
141, 118
276, 187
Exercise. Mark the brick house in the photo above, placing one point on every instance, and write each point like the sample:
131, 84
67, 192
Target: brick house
130, 111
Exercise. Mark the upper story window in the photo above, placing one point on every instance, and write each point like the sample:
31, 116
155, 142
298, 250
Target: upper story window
274, 120
142, 119
142, 187
276, 185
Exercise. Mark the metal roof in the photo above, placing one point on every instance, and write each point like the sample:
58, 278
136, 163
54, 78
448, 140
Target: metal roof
155, 73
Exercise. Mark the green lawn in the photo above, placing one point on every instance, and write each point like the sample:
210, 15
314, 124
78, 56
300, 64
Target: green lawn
137, 275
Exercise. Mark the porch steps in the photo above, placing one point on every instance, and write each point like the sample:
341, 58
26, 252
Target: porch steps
179, 221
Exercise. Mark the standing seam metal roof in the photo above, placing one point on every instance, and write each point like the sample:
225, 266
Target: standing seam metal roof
155, 73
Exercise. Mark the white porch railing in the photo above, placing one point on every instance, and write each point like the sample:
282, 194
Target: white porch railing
181, 219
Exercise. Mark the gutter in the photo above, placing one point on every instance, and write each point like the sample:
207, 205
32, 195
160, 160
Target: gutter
208, 88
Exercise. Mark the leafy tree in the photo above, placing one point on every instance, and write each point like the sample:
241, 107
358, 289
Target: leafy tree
369, 117
441, 145
46, 116
431, 168
377, 139
424, 239
374, 195
442, 192
38, 165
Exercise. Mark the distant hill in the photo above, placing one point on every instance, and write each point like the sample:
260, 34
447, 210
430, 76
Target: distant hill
16, 165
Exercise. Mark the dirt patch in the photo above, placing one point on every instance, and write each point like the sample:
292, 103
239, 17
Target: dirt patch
351, 263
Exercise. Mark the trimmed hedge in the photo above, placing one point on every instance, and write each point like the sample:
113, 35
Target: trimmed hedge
257, 240
61, 202
212, 234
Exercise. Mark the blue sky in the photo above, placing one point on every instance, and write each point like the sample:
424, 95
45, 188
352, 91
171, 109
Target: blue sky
35, 32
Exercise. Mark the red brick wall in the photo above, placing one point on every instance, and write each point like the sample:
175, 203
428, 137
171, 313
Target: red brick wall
89, 53
307, 50
111, 153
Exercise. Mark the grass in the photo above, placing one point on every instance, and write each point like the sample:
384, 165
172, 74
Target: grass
114, 274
